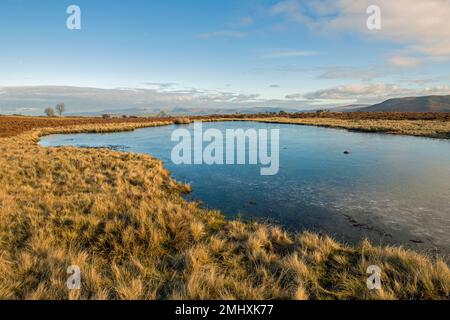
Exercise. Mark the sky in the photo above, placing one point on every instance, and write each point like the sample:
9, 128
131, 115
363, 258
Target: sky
300, 54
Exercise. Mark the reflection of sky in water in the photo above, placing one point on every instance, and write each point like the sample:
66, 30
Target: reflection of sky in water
389, 188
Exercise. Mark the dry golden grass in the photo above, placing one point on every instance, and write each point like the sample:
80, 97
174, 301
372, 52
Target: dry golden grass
14, 125
182, 121
425, 128
121, 218
429, 124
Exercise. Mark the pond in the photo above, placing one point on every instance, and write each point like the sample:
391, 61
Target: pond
389, 189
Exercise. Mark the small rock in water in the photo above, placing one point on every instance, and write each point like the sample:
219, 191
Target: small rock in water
346, 152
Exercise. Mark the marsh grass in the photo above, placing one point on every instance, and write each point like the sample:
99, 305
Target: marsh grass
182, 121
422, 128
434, 125
121, 218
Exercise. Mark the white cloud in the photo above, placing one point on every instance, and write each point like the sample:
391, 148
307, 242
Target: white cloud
421, 26
418, 81
161, 85
290, 54
33, 100
369, 93
404, 61
27, 110
78, 99
295, 96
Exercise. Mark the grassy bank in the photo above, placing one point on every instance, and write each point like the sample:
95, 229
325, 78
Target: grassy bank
422, 128
120, 217
434, 125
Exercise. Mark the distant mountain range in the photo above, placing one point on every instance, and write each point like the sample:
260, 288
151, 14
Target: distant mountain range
350, 108
81, 101
409, 104
412, 104
182, 111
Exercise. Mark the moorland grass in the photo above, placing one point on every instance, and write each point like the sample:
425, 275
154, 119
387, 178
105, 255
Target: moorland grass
121, 218
421, 128
431, 124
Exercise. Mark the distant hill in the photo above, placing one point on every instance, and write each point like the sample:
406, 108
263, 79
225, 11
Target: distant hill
350, 108
182, 111
412, 104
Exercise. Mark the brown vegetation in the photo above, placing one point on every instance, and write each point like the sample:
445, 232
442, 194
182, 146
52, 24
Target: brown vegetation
425, 128
182, 121
439, 116
121, 218
13, 125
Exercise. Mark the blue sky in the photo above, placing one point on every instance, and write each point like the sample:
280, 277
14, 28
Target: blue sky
250, 51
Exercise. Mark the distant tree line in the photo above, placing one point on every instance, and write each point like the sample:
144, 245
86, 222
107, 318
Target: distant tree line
60, 108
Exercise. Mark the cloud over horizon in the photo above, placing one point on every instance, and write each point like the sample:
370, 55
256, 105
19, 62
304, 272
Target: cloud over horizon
33, 99
369, 93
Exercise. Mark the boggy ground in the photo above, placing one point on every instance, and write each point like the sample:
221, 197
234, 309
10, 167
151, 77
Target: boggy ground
121, 218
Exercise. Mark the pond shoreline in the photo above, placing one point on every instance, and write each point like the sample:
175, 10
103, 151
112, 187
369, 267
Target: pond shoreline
355, 224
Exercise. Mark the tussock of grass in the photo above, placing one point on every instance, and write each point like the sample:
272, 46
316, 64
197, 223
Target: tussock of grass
182, 121
120, 217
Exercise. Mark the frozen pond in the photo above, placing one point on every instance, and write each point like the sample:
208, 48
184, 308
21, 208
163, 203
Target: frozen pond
390, 189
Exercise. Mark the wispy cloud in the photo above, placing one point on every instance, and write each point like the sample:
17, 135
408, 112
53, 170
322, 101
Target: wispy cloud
290, 54
368, 93
295, 96
418, 81
81, 99
341, 72
161, 85
401, 61
242, 22
237, 28
422, 26
33, 100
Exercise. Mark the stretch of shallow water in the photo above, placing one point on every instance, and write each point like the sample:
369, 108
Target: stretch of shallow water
390, 189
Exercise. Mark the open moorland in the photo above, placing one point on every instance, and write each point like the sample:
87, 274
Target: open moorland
436, 125
122, 219
422, 128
